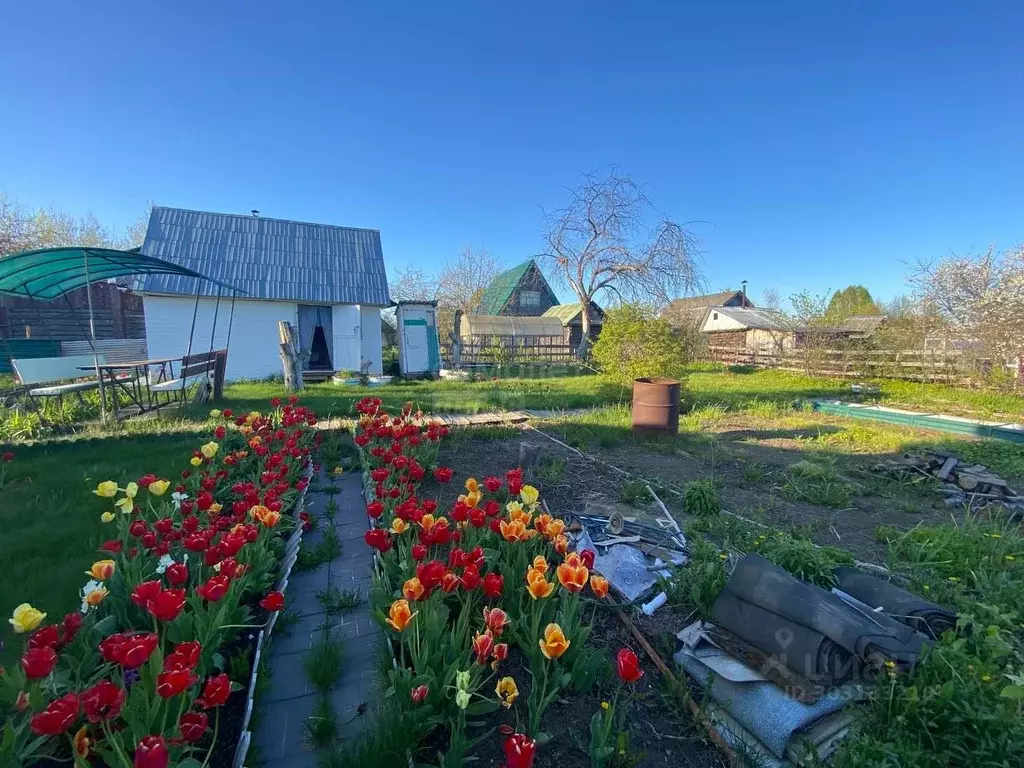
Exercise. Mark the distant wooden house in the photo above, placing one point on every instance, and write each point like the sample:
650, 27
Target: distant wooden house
571, 317
761, 330
520, 292
690, 311
853, 328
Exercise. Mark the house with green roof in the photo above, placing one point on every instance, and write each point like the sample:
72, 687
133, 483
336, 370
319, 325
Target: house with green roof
571, 317
521, 291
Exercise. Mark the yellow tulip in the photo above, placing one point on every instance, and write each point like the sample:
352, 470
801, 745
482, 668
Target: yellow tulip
195, 461
338, 471
159, 487
107, 517
126, 504
131, 490
102, 570
472, 486
529, 495
400, 615
215, 508
209, 450
26, 618
215, 414
81, 742
507, 691
398, 526
107, 489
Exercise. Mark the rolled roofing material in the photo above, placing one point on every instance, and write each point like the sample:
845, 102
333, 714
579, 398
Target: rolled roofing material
904, 606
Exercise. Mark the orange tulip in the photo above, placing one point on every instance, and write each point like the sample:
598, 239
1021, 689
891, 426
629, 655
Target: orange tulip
517, 514
554, 643
427, 522
413, 589
258, 512
599, 584
573, 578
540, 563
102, 570
542, 521
553, 529
400, 615
538, 587
471, 500
561, 542
398, 526
574, 559
80, 743
271, 519
515, 530
472, 486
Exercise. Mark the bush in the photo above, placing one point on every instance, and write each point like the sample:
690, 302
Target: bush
635, 343
700, 498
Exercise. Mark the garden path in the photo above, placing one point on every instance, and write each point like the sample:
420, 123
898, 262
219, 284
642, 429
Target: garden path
285, 708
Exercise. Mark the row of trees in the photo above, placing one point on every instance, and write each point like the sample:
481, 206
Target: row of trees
23, 229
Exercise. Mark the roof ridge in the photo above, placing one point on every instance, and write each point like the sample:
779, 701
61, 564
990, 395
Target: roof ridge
250, 217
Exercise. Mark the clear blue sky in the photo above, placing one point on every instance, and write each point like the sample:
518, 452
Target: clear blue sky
818, 143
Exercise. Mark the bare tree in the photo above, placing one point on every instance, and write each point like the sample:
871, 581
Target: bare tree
413, 284
603, 241
22, 229
770, 299
461, 284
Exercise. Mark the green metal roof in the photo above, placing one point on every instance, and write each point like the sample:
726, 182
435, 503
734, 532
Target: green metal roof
500, 290
51, 272
566, 313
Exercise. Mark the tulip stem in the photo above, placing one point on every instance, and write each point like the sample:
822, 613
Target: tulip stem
116, 745
216, 727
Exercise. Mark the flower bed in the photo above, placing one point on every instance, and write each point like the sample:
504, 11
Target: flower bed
150, 671
464, 592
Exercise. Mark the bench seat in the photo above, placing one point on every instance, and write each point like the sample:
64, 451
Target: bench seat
63, 389
176, 384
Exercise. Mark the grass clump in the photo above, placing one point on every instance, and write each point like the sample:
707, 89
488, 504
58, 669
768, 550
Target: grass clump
551, 469
321, 728
311, 558
634, 493
323, 663
817, 484
701, 499
335, 600
697, 584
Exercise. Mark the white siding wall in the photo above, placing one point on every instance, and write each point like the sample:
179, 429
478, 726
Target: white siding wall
253, 351
718, 321
346, 337
371, 342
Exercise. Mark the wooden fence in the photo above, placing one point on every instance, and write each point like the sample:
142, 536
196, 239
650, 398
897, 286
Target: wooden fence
118, 315
915, 365
511, 350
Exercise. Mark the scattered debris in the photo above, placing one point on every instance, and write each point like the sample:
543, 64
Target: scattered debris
962, 484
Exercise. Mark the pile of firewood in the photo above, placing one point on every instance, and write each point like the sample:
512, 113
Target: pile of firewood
962, 483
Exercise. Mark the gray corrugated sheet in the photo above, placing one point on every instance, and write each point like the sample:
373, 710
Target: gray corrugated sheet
267, 258
764, 319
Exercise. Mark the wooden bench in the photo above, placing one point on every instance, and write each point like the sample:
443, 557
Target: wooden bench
53, 370
195, 370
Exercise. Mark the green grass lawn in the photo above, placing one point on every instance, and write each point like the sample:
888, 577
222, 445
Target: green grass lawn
50, 519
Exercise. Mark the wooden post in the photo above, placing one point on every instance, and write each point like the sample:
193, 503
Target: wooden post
529, 458
291, 357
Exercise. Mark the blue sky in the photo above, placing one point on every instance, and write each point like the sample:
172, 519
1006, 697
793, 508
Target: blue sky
814, 144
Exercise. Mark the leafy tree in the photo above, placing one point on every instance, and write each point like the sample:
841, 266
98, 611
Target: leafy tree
636, 343
852, 300
604, 240
22, 229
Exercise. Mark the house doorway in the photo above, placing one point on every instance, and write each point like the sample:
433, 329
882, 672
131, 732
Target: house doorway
316, 336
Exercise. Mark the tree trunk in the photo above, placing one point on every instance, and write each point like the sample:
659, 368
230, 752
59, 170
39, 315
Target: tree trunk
583, 351
291, 357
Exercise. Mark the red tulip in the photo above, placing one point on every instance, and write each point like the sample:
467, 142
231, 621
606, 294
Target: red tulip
374, 509
430, 574
492, 484
44, 637
152, 753
215, 692
103, 701
145, 592
130, 651
470, 577
379, 539
443, 474
39, 662
419, 552
69, 627
274, 601
172, 683
627, 665
185, 656
214, 589
168, 604
57, 717
493, 584
192, 726
482, 646
8, 456
113, 546
519, 751
177, 574
419, 693
587, 556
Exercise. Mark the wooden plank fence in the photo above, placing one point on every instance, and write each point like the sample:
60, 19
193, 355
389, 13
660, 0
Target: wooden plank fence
915, 365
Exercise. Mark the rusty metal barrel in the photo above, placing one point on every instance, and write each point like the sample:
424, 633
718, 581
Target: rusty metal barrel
656, 406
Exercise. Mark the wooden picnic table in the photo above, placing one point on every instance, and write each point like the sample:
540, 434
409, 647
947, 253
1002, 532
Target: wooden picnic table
136, 386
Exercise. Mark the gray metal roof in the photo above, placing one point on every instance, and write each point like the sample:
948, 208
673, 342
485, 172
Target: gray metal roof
764, 319
267, 258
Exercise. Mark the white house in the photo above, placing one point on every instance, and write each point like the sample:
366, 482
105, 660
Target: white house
328, 281
763, 330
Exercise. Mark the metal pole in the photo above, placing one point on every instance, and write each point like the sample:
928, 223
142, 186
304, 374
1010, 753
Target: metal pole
216, 310
231, 317
191, 333
92, 336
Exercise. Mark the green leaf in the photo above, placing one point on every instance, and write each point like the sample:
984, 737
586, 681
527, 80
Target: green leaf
105, 626
218, 661
1013, 692
482, 707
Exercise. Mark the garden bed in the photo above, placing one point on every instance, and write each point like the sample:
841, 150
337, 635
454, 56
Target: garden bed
160, 665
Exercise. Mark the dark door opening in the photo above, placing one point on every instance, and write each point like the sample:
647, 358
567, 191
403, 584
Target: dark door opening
319, 354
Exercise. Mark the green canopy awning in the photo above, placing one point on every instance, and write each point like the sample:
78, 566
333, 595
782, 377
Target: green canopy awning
48, 273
